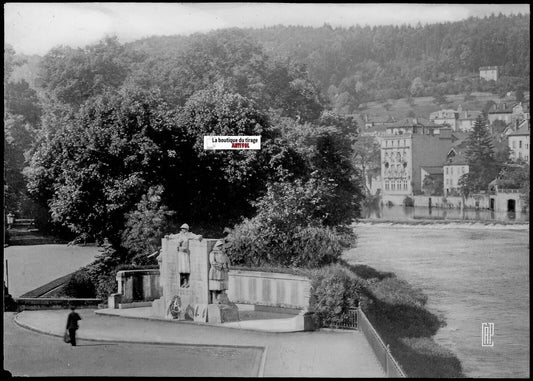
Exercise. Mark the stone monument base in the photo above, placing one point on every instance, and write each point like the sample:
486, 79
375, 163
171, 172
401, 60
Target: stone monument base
222, 313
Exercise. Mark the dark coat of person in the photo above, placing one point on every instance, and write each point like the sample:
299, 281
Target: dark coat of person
72, 326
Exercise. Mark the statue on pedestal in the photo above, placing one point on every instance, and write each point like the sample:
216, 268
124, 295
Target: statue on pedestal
184, 262
218, 273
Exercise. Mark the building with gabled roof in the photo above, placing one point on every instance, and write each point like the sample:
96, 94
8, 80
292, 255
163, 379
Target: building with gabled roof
455, 166
409, 145
518, 142
501, 111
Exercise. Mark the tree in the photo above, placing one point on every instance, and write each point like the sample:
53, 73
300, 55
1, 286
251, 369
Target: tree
75, 75
417, 87
145, 226
367, 157
480, 156
516, 176
327, 147
91, 166
440, 99
222, 184
21, 119
432, 186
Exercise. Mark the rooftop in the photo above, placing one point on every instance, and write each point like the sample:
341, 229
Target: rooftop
433, 170
523, 129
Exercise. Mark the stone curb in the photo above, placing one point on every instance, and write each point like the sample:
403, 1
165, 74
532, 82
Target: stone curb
50, 333
100, 312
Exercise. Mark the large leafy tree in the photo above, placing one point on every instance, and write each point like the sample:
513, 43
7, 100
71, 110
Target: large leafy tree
92, 166
21, 118
481, 159
75, 75
367, 157
229, 55
219, 186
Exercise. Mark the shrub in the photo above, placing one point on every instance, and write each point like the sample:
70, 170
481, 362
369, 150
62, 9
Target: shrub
106, 285
80, 285
334, 291
103, 271
397, 311
408, 201
394, 291
254, 244
422, 357
315, 246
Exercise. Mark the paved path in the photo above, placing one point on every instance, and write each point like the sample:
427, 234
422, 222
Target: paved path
323, 353
33, 354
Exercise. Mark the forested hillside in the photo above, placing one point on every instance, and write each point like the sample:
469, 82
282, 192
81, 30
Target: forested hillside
382, 62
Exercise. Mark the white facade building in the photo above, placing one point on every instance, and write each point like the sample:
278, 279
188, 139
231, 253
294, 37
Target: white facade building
519, 142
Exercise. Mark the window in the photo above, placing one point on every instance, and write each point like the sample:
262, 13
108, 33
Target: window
514, 143
520, 144
446, 170
393, 187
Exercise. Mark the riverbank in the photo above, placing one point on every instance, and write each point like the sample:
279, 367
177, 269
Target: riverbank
434, 223
471, 276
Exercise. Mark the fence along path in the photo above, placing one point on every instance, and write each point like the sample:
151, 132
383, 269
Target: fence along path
382, 351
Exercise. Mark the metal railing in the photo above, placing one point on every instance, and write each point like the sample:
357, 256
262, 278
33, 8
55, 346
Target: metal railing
349, 322
382, 351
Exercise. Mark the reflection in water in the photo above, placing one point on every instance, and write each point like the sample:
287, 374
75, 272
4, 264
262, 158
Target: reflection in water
410, 212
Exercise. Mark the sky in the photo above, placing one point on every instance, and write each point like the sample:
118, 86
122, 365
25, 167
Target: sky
35, 28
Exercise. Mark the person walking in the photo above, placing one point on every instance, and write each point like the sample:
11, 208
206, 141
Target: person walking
72, 325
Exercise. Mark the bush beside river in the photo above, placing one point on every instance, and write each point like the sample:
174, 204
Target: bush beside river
395, 309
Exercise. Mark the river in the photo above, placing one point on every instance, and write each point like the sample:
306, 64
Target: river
414, 213
472, 275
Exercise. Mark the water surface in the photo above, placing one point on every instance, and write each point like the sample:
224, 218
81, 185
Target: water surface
472, 275
414, 213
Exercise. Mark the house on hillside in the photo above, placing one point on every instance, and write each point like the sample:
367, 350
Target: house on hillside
489, 73
458, 120
519, 142
501, 111
409, 145
445, 117
519, 114
466, 119
454, 167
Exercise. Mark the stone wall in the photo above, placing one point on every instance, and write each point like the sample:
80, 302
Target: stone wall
476, 201
247, 287
55, 303
138, 285
269, 289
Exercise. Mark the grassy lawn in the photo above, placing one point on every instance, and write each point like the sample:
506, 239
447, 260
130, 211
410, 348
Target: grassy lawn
32, 266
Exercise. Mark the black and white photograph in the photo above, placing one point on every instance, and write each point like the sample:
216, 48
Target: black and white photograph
262, 189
